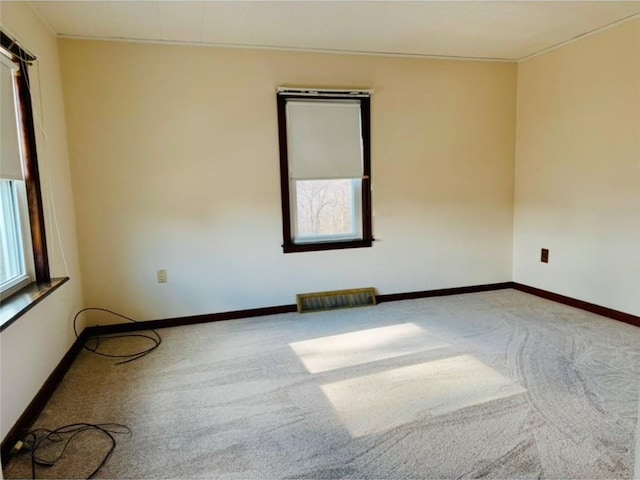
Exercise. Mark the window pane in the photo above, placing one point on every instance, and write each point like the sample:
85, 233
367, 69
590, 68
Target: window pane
325, 164
326, 208
11, 164
11, 255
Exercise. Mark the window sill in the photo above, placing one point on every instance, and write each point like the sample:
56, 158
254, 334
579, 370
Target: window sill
24, 300
314, 247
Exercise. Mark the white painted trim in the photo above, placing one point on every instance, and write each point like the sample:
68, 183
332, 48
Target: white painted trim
579, 37
289, 49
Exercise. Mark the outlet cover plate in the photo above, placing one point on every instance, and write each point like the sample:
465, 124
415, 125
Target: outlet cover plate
544, 255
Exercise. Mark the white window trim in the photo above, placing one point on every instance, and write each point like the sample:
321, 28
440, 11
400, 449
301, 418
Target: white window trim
11, 286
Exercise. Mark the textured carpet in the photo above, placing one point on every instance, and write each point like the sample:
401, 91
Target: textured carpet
498, 385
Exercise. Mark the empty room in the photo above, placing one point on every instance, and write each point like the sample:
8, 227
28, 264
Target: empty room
320, 239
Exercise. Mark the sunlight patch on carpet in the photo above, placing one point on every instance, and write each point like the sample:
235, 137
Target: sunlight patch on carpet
364, 346
381, 401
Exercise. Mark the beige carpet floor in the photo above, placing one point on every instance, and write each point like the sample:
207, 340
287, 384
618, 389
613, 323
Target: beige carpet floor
498, 385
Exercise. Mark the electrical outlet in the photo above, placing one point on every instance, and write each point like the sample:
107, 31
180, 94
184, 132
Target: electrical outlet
544, 255
162, 276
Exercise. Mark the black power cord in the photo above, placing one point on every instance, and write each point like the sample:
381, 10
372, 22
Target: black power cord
37, 440
154, 337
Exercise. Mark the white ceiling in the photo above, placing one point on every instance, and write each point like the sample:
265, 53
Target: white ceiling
471, 29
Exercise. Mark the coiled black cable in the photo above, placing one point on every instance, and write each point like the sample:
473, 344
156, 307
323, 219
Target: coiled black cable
154, 337
39, 439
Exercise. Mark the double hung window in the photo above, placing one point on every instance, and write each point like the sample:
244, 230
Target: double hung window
16, 265
325, 169
23, 257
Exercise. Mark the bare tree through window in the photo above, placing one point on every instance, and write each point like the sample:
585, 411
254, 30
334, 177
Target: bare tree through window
324, 207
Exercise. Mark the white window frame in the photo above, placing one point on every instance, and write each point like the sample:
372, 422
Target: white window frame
15, 194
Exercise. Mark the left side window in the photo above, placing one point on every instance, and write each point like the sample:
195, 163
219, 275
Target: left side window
23, 257
16, 260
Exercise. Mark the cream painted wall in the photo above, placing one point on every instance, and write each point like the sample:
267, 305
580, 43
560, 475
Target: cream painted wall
175, 165
578, 170
32, 346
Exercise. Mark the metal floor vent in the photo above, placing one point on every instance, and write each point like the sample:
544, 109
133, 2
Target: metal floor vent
313, 302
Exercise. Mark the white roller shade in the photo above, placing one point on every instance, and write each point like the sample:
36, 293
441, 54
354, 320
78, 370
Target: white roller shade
10, 159
324, 139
